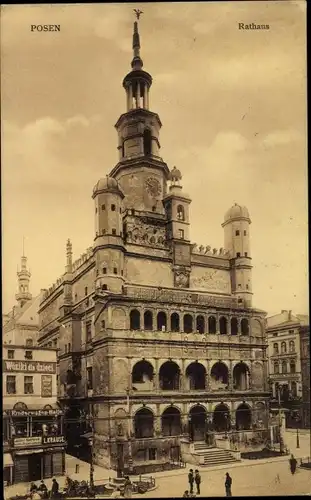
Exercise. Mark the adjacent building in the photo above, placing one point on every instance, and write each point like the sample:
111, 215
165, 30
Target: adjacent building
33, 437
285, 365
159, 341
20, 326
305, 374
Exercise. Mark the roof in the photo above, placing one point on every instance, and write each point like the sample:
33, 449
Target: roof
27, 315
287, 319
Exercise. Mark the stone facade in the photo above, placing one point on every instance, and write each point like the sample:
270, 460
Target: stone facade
157, 335
305, 374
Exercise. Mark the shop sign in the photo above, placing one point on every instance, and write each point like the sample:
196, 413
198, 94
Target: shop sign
53, 439
46, 386
35, 413
29, 366
27, 441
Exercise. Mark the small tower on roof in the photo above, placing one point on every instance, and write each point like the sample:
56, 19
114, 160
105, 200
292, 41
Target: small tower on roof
23, 276
237, 241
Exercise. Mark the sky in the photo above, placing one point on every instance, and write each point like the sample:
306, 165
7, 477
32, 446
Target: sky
233, 107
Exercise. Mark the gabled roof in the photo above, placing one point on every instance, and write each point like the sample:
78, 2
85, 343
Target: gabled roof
26, 315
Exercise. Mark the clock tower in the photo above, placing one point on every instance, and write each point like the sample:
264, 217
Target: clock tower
141, 173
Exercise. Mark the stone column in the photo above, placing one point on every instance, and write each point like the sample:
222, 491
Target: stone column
230, 376
129, 97
229, 325
138, 95
239, 326
183, 379
145, 97
157, 421
250, 379
207, 376
156, 375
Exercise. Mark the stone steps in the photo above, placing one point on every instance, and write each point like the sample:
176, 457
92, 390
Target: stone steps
213, 456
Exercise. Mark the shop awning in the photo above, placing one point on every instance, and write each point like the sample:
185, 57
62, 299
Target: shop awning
29, 452
7, 460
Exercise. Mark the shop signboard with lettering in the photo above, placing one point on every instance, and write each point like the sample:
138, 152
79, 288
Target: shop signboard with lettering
29, 366
46, 386
27, 441
53, 439
35, 413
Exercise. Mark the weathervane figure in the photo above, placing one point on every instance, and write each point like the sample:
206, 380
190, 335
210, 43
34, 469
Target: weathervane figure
138, 13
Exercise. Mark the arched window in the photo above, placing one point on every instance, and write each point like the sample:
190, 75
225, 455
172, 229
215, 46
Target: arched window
276, 348
283, 348
180, 212
147, 142
284, 366
148, 320
134, 320
294, 389
244, 327
291, 346
292, 366
223, 326
188, 323
161, 322
211, 324
175, 326
276, 367
200, 324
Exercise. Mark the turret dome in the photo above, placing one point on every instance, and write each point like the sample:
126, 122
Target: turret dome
236, 212
106, 184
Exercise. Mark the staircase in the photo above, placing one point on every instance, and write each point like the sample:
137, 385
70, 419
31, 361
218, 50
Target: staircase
213, 456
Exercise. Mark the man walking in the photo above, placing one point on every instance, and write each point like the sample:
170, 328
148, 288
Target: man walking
292, 464
228, 484
191, 480
197, 478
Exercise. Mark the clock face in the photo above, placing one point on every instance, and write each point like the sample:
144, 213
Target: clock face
153, 186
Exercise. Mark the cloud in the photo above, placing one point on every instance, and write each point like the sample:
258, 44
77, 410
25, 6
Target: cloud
281, 138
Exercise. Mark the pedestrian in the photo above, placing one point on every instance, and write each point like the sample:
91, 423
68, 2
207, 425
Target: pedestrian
127, 488
186, 494
197, 478
55, 488
228, 484
33, 487
191, 480
43, 489
292, 464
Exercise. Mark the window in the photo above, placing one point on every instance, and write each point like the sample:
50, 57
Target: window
103, 323
180, 212
69, 347
291, 331
283, 348
237, 233
284, 367
153, 209
120, 210
11, 384
114, 232
104, 270
115, 270
245, 254
275, 334
181, 234
88, 330
245, 232
104, 287
152, 453
147, 142
276, 368
28, 354
85, 290
28, 385
29, 342
276, 348
291, 346
246, 287
238, 254
55, 343
89, 371
292, 367
103, 231
10, 354
103, 207
113, 208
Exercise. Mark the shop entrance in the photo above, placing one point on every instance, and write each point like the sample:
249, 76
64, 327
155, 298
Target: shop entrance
34, 467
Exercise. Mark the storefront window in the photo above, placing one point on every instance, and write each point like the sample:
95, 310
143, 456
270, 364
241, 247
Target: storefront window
19, 427
45, 426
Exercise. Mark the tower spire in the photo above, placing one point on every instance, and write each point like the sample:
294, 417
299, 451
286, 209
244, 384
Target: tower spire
23, 277
137, 62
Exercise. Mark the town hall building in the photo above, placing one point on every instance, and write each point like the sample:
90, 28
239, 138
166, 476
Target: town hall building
159, 342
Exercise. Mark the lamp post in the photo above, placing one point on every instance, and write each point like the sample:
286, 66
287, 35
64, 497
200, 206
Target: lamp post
280, 421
